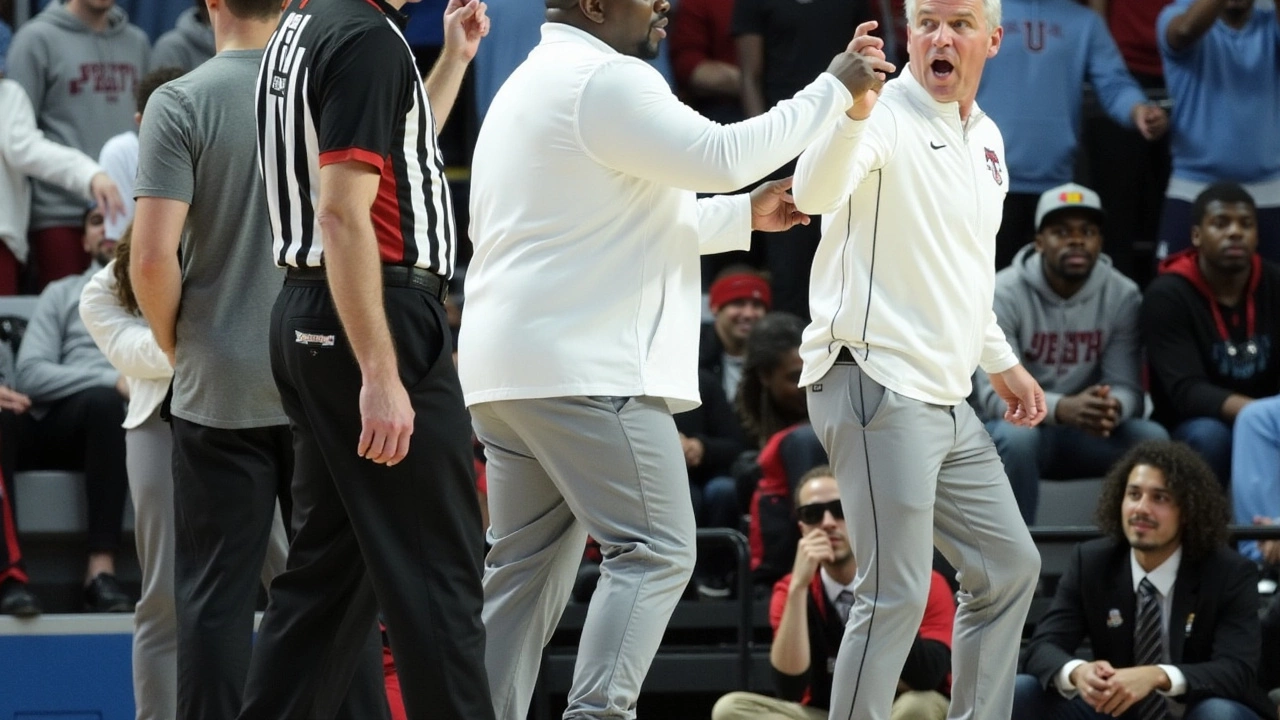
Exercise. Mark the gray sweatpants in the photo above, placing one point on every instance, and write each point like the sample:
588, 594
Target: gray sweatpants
558, 469
149, 462
913, 475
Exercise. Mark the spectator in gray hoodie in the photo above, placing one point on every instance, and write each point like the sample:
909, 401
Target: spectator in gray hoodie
76, 416
188, 44
79, 62
1072, 319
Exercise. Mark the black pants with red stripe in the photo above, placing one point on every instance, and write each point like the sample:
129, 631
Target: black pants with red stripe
406, 539
11, 565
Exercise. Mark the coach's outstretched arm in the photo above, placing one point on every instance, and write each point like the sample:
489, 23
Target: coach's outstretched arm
631, 122
855, 145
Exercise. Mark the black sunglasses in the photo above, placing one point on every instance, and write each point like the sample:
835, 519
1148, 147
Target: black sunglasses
813, 513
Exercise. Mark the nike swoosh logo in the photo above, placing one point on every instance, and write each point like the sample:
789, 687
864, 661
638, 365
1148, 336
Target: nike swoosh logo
936, 147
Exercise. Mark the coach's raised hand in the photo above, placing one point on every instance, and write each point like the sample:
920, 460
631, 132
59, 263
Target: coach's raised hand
862, 68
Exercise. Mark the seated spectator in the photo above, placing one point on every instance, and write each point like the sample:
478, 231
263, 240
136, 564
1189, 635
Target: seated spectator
1222, 65
1034, 90
15, 597
1255, 475
776, 414
739, 298
78, 408
119, 156
705, 60
188, 44
1210, 321
25, 152
1169, 611
1072, 320
712, 440
808, 613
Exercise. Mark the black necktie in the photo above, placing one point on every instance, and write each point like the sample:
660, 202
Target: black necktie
844, 603
1148, 647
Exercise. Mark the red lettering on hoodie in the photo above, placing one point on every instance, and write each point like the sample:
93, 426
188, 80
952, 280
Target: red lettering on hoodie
111, 79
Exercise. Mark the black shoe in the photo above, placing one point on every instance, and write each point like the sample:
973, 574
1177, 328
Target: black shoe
17, 600
104, 594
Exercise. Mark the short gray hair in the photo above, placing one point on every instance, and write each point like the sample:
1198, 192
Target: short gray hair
990, 8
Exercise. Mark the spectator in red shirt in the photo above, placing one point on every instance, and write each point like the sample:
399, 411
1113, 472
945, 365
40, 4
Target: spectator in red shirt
808, 614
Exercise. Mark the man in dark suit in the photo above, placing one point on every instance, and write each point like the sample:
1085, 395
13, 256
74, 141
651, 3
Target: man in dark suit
1170, 612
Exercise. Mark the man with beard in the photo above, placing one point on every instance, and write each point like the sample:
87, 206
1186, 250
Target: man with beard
808, 612
1210, 324
1169, 611
1072, 320
581, 329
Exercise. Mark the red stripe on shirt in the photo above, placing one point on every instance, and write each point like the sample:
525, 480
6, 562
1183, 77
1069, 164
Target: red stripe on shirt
386, 217
331, 157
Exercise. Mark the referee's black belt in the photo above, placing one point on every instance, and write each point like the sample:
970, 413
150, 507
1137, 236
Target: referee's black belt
392, 276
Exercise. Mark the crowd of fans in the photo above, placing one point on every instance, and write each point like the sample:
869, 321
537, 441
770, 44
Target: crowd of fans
1148, 129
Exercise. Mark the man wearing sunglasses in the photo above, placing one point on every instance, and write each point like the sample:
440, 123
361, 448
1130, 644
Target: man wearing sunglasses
808, 614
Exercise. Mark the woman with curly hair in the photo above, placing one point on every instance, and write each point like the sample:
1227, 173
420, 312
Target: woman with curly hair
1169, 611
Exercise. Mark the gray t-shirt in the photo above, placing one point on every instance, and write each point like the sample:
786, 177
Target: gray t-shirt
197, 145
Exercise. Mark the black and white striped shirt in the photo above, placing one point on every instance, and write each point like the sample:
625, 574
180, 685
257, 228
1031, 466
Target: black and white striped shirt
335, 86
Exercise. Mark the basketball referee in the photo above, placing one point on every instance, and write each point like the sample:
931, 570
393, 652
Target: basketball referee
361, 353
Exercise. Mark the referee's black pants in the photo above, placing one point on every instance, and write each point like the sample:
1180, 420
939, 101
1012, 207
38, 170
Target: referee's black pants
406, 538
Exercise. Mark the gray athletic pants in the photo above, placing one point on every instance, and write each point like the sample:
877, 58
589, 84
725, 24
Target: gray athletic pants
913, 475
558, 469
149, 461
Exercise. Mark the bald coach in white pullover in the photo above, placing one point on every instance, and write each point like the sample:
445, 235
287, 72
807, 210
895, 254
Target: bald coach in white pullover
901, 299
581, 329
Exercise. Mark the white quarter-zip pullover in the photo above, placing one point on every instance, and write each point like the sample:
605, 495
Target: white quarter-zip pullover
905, 277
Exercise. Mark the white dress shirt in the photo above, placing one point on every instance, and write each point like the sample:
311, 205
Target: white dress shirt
904, 276
1163, 578
832, 587
586, 226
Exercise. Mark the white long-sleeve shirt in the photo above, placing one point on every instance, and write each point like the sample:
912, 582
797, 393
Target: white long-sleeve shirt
904, 276
586, 226
26, 152
126, 340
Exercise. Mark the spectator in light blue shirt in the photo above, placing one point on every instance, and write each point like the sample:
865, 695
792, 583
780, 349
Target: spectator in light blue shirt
1222, 66
1034, 90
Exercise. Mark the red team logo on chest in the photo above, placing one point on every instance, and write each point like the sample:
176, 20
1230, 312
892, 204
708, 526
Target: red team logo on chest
993, 164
